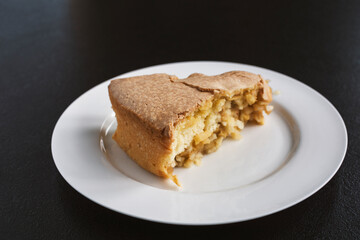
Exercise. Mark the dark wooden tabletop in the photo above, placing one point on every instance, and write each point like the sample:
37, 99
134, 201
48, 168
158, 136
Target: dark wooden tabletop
53, 51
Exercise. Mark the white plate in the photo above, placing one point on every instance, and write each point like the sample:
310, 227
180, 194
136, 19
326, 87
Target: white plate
296, 152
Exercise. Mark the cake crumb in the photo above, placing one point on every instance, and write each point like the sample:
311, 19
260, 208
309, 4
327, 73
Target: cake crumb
277, 92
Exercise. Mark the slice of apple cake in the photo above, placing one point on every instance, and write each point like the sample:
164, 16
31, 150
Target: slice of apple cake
165, 122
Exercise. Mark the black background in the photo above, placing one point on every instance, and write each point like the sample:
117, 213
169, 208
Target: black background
53, 51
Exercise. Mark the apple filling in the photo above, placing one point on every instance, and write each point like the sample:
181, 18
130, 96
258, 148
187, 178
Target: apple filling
203, 131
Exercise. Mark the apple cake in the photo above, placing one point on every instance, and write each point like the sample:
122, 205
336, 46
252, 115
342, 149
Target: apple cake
165, 122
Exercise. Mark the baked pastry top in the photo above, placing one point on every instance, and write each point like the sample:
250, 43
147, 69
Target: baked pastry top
164, 122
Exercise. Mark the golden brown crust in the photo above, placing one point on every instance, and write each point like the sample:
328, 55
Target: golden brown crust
141, 144
156, 100
230, 82
267, 93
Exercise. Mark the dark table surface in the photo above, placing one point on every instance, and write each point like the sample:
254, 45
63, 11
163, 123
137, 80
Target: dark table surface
53, 51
